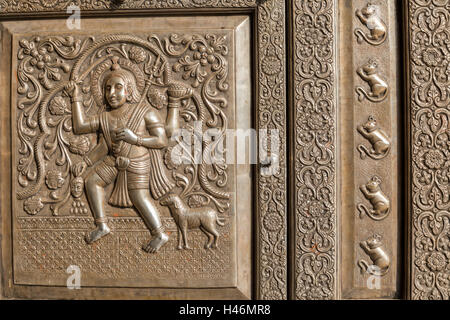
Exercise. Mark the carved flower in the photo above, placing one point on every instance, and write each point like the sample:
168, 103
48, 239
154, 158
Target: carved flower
432, 57
58, 106
272, 221
272, 295
317, 121
436, 261
33, 205
41, 59
434, 159
79, 145
271, 65
137, 55
314, 37
316, 209
205, 55
54, 179
173, 157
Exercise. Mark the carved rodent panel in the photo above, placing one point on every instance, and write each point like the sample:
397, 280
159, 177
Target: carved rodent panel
69, 208
370, 150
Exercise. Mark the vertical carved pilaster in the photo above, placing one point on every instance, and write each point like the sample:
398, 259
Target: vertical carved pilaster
429, 142
271, 252
314, 155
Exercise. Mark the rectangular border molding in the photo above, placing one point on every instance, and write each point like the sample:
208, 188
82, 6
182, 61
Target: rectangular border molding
428, 109
313, 147
270, 113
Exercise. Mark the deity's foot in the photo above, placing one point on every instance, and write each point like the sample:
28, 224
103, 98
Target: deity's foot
98, 233
156, 243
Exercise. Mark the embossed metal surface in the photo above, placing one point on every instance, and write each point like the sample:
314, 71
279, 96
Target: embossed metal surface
370, 151
429, 135
48, 152
314, 147
340, 126
270, 208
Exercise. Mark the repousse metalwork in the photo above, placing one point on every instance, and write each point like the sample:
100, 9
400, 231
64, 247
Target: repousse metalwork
315, 149
429, 100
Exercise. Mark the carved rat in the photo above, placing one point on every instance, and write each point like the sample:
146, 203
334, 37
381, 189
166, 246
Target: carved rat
378, 200
380, 260
377, 137
370, 17
378, 87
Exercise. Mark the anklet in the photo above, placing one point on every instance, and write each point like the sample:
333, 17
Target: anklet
101, 220
157, 231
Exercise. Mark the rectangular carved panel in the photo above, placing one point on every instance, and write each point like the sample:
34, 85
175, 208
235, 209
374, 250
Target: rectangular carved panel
370, 149
190, 71
271, 247
314, 237
61, 223
428, 81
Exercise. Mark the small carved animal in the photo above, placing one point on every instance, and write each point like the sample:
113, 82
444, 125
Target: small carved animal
378, 200
204, 218
370, 17
378, 87
380, 260
377, 137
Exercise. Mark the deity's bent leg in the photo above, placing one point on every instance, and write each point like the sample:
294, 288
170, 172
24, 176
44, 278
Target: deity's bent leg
142, 201
95, 191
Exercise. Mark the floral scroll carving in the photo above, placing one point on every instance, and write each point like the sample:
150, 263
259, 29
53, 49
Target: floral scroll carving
44, 125
315, 154
49, 181
272, 252
430, 148
270, 104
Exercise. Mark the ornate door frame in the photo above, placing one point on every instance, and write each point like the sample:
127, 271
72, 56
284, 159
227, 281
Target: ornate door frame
269, 112
283, 267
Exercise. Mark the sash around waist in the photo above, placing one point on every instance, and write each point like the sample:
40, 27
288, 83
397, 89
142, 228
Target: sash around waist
138, 163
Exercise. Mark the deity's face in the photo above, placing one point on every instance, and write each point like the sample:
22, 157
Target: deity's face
116, 91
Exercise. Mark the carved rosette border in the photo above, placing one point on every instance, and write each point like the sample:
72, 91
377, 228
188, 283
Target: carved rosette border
271, 240
314, 184
429, 150
271, 252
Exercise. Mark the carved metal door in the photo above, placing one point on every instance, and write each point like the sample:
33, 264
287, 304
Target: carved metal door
224, 149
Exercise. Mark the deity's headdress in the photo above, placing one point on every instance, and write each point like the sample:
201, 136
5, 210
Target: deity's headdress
119, 67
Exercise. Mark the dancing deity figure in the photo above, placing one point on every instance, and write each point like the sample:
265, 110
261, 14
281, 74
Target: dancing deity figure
129, 130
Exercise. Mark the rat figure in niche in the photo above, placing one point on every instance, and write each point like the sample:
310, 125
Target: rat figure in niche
377, 137
370, 17
378, 87
380, 260
378, 200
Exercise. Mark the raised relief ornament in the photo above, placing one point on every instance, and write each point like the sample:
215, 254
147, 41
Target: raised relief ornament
104, 176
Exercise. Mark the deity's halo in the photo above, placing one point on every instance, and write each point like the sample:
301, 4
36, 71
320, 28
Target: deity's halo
98, 76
